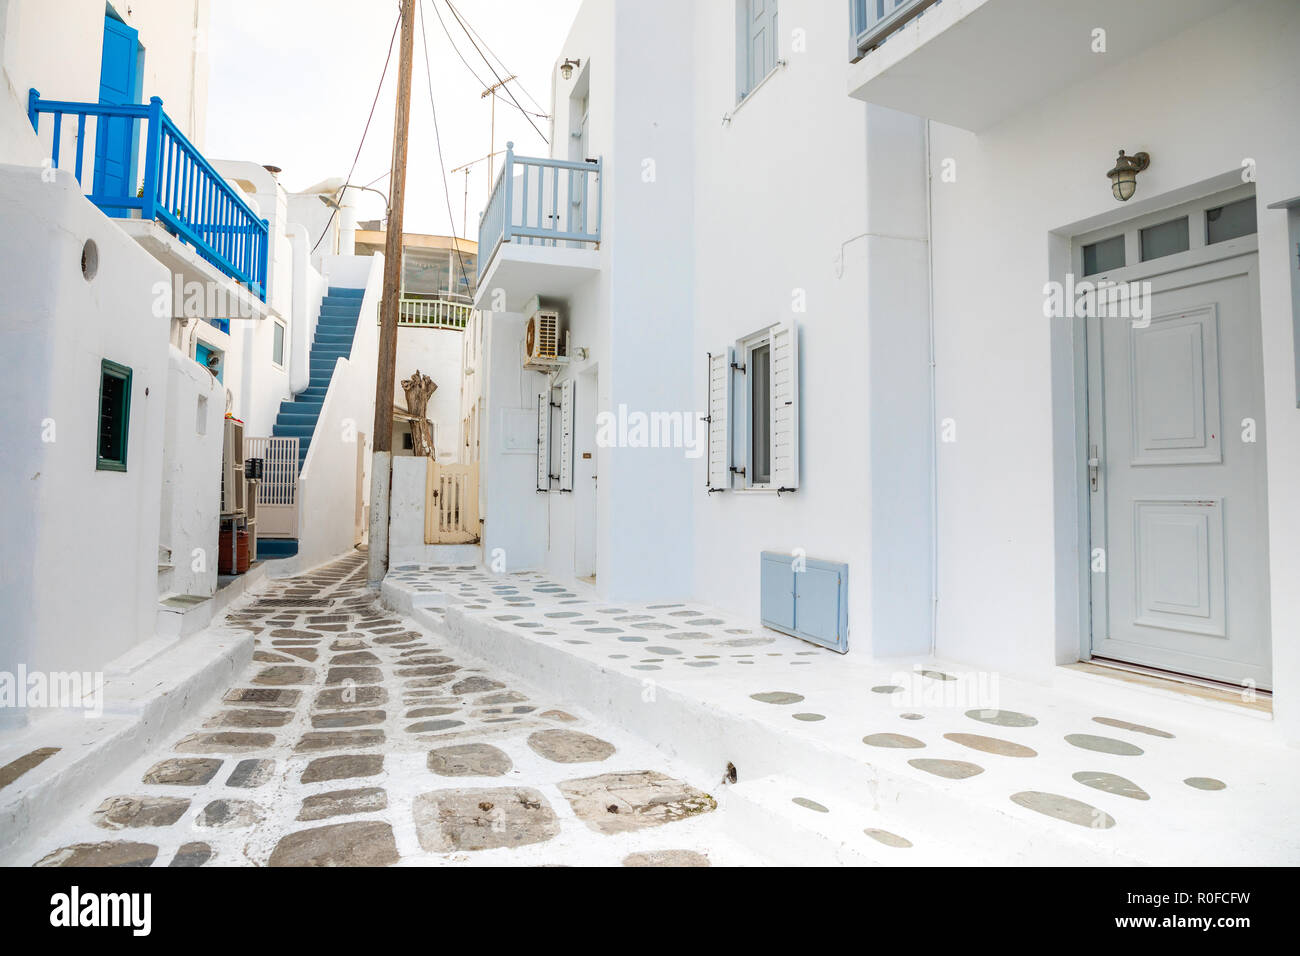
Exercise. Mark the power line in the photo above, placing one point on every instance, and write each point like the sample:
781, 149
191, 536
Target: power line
389, 59
437, 138
472, 72
500, 81
501, 63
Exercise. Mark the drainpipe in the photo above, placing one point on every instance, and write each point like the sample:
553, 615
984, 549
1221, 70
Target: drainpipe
934, 399
299, 333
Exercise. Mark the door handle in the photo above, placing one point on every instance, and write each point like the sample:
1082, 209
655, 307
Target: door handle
1094, 467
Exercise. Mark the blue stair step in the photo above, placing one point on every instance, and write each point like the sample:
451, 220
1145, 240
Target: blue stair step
335, 328
269, 548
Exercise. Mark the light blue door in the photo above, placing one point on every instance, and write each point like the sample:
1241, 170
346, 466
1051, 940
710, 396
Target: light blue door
1178, 484
115, 140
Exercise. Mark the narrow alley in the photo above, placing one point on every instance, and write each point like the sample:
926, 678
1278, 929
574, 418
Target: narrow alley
355, 738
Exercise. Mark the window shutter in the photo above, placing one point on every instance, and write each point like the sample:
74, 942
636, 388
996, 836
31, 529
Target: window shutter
544, 441
762, 40
566, 435
719, 420
785, 406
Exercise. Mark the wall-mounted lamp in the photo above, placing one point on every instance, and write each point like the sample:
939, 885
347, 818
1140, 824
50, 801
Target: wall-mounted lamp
566, 68
1123, 178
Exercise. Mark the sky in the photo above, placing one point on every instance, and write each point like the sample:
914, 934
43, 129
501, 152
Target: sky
292, 81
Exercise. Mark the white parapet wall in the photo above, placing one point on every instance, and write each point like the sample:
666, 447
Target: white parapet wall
406, 514
191, 484
80, 542
335, 475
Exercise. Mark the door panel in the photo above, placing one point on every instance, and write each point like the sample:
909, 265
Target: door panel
115, 139
1175, 387
817, 603
1179, 512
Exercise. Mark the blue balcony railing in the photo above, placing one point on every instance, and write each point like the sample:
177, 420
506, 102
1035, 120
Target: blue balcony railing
546, 202
870, 21
180, 188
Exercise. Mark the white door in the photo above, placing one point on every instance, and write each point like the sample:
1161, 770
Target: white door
1177, 477
578, 181
584, 488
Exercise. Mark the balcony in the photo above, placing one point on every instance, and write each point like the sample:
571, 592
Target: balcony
184, 212
974, 63
540, 232
433, 313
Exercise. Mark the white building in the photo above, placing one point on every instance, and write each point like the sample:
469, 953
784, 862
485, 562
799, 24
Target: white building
152, 293
834, 236
434, 312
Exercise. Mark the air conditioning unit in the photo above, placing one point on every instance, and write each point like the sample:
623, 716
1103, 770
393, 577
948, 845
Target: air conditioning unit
545, 347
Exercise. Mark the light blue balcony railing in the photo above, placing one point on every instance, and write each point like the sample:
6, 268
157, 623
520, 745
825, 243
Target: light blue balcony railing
873, 20
546, 202
181, 190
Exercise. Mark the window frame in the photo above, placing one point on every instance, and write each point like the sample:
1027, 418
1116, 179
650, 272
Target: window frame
744, 396
110, 369
284, 343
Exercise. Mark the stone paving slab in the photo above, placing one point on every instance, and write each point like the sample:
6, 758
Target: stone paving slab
1049, 768
385, 747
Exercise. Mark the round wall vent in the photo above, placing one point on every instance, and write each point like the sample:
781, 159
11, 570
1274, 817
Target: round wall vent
89, 259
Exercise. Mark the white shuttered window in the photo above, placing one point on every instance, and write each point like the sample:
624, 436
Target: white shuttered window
753, 395
566, 435
544, 441
719, 421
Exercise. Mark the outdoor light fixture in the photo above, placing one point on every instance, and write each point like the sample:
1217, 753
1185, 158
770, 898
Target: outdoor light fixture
566, 68
337, 204
1123, 178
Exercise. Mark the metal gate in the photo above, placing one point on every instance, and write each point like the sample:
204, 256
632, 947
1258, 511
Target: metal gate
451, 504
277, 495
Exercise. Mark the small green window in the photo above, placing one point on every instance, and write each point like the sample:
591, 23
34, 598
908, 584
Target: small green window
114, 416
277, 344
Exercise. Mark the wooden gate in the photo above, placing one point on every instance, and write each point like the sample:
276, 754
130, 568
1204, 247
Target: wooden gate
451, 504
277, 495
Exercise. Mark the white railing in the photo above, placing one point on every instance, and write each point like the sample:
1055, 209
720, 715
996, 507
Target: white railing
277, 495
541, 202
434, 313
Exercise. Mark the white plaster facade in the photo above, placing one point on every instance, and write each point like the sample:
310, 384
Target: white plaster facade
821, 199
1206, 89
85, 288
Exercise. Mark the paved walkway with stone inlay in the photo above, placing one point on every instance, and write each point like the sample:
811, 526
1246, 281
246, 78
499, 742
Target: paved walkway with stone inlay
357, 738
905, 754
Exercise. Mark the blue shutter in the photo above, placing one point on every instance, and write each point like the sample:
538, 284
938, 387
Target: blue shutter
811, 604
820, 614
115, 139
776, 586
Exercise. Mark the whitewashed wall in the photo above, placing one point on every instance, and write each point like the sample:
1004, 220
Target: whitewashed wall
328, 484
1200, 103
191, 477
514, 526
809, 207
436, 353
56, 47
633, 321
79, 546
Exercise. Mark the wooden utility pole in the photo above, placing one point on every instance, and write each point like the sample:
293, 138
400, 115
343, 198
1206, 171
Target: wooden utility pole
381, 469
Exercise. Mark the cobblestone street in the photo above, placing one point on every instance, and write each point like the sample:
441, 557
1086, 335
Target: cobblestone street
355, 738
